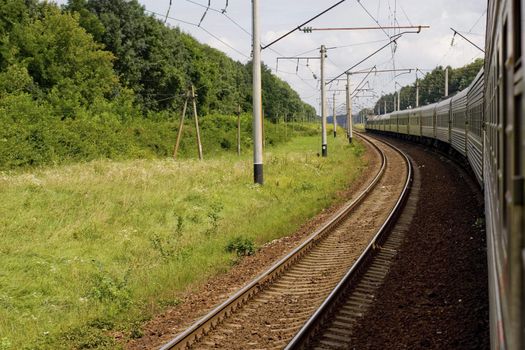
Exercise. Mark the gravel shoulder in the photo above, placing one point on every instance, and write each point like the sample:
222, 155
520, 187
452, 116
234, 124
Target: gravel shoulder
436, 294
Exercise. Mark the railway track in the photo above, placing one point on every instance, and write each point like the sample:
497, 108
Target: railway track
333, 323
269, 311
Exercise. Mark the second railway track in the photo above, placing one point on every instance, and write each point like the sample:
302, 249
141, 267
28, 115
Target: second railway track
269, 311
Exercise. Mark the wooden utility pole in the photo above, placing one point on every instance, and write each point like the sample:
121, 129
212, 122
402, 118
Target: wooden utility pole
181, 125
189, 94
199, 144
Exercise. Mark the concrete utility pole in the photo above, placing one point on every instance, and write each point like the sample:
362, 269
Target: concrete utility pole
257, 97
335, 118
395, 103
399, 99
417, 93
349, 121
324, 146
238, 130
446, 81
385, 106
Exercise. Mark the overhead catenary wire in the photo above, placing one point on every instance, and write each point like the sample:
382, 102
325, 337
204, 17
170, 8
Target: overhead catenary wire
303, 24
168, 12
476, 23
405, 14
205, 13
244, 30
225, 7
373, 18
235, 23
222, 12
367, 57
204, 30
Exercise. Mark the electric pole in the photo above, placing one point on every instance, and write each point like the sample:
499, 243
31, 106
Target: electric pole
446, 81
238, 130
417, 92
395, 103
399, 99
384, 101
324, 147
335, 118
349, 108
257, 97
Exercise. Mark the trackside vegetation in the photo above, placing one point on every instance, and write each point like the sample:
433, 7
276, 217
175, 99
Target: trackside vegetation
93, 249
100, 229
103, 79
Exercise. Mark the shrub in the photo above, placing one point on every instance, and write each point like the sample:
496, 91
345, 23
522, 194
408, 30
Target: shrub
242, 246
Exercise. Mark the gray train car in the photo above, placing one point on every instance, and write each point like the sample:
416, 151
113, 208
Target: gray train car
392, 122
402, 121
475, 126
414, 125
427, 120
442, 129
458, 127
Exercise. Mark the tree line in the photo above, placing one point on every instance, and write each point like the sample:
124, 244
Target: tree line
87, 79
431, 87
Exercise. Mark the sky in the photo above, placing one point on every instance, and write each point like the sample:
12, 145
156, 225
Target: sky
227, 27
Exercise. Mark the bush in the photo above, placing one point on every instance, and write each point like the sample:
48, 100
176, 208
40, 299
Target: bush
242, 246
33, 135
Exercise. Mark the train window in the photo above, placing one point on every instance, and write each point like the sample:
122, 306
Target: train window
518, 127
516, 11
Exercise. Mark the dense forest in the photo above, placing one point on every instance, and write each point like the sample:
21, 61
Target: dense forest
432, 87
102, 78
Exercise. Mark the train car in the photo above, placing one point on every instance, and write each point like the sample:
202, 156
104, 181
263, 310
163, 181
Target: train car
458, 119
442, 118
427, 120
414, 125
392, 122
403, 121
494, 121
504, 171
475, 126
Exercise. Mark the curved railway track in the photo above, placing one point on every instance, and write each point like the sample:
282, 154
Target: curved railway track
269, 311
333, 323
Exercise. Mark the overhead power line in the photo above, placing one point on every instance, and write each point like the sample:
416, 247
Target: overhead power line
464, 37
310, 29
205, 13
303, 24
204, 30
222, 12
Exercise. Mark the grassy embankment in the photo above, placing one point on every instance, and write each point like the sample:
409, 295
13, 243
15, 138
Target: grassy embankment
100, 246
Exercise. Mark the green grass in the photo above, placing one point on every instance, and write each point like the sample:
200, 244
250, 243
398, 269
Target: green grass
93, 248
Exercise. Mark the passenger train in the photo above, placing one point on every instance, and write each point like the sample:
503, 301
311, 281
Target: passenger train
485, 123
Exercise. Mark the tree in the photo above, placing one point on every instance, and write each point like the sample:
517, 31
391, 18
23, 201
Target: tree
432, 87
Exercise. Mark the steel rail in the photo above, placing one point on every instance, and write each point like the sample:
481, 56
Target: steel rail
210, 320
308, 331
